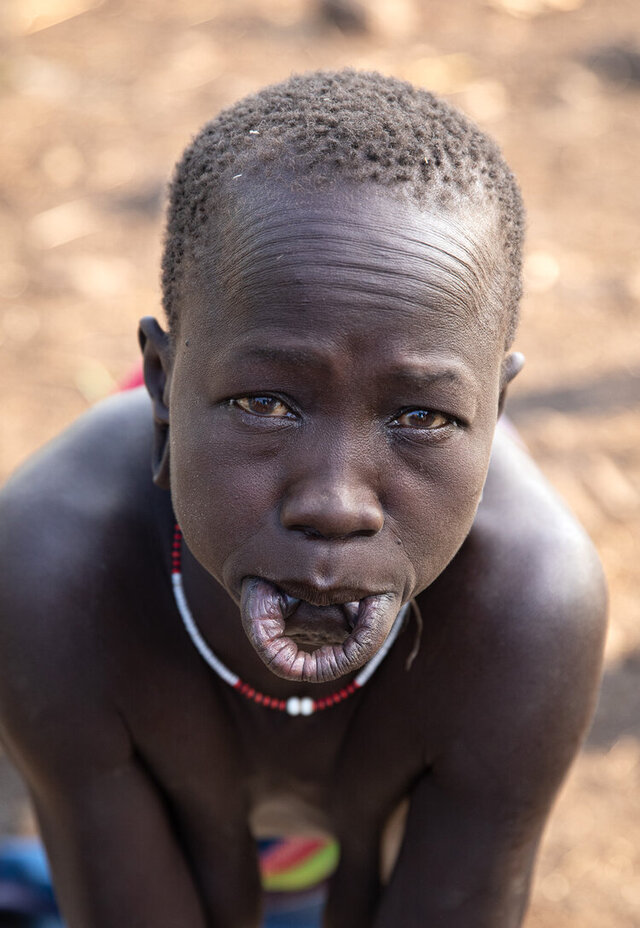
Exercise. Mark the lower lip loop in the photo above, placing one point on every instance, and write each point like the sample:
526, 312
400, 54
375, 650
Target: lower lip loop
263, 609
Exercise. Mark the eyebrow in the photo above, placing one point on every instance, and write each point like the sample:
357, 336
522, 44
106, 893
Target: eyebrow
295, 357
414, 374
425, 375
419, 376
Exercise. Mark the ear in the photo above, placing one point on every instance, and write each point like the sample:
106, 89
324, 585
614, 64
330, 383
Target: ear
511, 367
157, 362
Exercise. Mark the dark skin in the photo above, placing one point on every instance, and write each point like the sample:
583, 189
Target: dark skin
324, 419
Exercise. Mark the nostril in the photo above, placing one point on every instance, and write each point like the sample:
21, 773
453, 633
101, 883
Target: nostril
367, 532
314, 533
306, 530
311, 532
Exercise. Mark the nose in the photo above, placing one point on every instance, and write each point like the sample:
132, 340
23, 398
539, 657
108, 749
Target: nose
334, 502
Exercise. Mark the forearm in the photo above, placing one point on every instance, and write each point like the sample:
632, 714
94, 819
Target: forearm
355, 889
117, 874
423, 906
460, 865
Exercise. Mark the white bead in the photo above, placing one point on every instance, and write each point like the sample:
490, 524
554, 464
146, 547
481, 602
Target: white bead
306, 706
293, 705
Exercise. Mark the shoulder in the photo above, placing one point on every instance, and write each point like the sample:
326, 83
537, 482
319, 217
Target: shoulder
63, 518
101, 450
61, 510
96, 469
529, 554
543, 569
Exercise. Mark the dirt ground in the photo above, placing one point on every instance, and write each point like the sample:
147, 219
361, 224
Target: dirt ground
97, 100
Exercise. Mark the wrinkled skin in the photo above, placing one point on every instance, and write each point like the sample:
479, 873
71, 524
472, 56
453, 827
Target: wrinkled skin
360, 325
324, 420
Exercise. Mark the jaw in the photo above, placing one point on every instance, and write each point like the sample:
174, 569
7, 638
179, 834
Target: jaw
302, 642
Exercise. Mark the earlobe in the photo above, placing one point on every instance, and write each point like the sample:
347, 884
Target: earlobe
160, 458
511, 367
156, 354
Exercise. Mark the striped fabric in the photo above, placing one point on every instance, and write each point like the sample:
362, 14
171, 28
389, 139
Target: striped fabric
296, 864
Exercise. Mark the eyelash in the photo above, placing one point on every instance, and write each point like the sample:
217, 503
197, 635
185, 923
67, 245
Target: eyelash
235, 402
450, 421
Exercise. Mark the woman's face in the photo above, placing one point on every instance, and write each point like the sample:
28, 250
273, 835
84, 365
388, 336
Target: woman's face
334, 393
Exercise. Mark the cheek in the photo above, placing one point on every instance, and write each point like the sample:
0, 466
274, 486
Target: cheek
220, 496
434, 506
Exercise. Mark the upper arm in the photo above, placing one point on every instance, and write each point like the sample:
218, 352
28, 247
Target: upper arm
530, 683
114, 857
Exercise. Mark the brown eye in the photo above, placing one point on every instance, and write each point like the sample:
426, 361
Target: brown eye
423, 419
267, 406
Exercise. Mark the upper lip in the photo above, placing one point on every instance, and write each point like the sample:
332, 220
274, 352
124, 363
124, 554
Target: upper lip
322, 596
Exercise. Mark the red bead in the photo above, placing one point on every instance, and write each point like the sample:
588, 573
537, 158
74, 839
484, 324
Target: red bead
320, 704
266, 700
258, 697
251, 692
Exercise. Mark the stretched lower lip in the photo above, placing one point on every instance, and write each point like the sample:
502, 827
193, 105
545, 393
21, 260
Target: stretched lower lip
264, 624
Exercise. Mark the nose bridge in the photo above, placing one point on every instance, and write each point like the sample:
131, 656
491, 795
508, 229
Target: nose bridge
333, 490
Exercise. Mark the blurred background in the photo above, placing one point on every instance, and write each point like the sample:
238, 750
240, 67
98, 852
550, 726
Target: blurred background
97, 100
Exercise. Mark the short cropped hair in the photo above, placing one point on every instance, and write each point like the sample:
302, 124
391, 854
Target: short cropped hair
351, 125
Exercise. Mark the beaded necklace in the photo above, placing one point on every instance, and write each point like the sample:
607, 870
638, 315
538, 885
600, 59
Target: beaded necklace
295, 705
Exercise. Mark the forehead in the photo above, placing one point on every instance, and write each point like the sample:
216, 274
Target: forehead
355, 260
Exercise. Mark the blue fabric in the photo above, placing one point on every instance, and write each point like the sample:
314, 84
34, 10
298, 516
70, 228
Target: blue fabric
26, 893
294, 910
307, 915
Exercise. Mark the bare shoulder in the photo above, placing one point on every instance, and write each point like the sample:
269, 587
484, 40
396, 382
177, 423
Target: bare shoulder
540, 561
63, 519
527, 639
58, 511
101, 451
